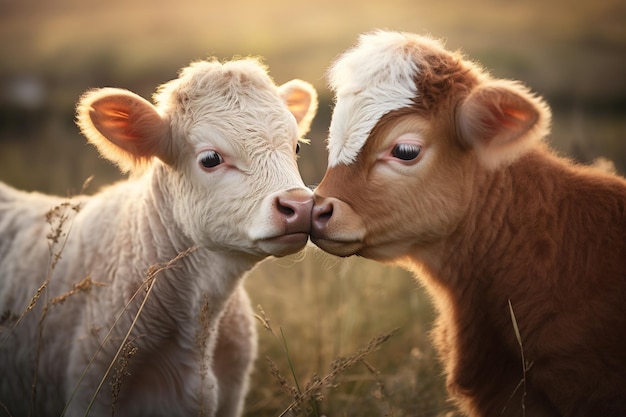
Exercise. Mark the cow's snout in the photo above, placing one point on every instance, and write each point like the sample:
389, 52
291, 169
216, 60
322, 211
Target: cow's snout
321, 215
293, 208
336, 227
283, 222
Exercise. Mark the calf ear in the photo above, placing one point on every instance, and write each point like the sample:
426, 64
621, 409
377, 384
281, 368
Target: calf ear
125, 128
502, 120
301, 99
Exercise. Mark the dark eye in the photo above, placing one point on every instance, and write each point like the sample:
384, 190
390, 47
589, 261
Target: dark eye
406, 151
297, 148
210, 159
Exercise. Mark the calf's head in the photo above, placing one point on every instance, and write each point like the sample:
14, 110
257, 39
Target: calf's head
222, 139
413, 127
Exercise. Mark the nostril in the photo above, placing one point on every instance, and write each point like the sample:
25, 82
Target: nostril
293, 212
325, 215
322, 213
284, 208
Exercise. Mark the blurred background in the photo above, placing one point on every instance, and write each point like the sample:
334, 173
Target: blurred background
572, 52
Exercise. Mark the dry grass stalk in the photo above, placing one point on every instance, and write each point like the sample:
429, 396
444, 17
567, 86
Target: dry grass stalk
339, 366
147, 286
380, 393
84, 285
292, 390
264, 320
525, 365
57, 239
56, 218
121, 371
313, 390
284, 385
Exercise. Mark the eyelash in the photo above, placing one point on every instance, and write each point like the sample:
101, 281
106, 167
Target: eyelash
406, 151
210, 159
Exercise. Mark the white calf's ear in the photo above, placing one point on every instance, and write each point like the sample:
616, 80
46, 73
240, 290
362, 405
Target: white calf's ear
126, 128
301, 99
502, 120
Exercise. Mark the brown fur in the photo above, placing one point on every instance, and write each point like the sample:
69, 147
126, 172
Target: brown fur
530, 229
442, 76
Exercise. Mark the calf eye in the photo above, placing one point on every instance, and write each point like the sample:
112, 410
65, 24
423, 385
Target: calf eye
210, 159
406, 151
297, 148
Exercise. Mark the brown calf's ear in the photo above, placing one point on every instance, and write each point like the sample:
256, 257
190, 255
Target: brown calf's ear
126, 128
301, 99
501, 120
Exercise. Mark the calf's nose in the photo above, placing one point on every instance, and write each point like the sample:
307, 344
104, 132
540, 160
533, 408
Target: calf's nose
321, 214
294, 209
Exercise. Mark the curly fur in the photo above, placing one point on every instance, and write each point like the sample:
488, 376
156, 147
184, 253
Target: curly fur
490, 220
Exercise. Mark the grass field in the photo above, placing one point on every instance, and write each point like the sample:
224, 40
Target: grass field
329, 309
320, 308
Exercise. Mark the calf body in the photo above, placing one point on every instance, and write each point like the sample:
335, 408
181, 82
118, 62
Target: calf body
438, 167
144, 312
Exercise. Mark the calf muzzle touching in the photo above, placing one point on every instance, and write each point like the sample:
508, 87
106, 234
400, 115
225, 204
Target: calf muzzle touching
343, 237
291, 212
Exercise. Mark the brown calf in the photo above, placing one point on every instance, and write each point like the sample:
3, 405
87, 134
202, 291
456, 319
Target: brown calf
438, 167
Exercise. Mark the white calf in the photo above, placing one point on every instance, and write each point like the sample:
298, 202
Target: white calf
214, 179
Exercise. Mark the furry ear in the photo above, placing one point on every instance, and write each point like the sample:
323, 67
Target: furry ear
501, 120
301, 99
125, 128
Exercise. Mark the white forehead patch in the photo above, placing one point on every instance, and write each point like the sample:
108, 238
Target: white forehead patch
369, 80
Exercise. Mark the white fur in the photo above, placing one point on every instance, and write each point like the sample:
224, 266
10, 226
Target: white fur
369, 80
195, 336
